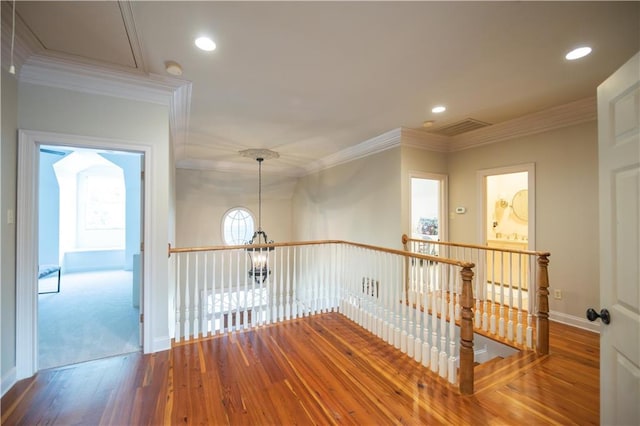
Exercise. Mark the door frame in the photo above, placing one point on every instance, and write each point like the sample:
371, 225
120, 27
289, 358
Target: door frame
481, 179
29, 142
444, 200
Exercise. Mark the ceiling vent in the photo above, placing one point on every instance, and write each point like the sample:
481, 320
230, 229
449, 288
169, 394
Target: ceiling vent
460, 127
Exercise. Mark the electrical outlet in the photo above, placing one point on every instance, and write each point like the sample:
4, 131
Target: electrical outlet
557, 294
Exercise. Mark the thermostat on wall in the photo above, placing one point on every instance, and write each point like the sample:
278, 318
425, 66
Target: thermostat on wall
461, 210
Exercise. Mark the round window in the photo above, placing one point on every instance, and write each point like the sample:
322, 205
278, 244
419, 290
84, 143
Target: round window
238, 226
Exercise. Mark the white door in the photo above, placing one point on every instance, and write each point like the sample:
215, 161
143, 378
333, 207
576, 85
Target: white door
619, 168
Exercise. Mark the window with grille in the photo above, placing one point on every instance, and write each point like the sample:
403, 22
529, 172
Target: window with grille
238, 226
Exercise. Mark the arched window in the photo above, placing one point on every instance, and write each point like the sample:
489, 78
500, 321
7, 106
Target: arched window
238, 226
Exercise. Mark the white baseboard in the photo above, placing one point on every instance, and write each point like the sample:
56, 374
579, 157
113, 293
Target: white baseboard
8, 380
160, 344
574, 321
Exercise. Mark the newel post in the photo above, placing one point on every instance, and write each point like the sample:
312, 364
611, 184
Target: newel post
466, 333
542, 325
407, 266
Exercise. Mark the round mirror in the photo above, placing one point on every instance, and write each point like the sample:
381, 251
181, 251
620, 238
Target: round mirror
520, 204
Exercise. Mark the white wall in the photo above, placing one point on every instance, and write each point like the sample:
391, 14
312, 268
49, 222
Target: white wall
566, 162
130, 122
358, 201
9, 156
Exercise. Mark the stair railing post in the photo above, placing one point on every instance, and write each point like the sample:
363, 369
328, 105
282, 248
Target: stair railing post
542, 322
407, 266
466, 333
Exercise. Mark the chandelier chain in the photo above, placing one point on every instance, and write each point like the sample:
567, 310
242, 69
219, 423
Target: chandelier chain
260, 160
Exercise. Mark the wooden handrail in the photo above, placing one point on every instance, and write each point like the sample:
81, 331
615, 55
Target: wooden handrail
403, 253
406, 239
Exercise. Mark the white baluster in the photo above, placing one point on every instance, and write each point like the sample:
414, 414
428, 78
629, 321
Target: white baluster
530, 331
426, 349
405, 312
442, 369
434, 324
187, 300
227, 310
287, 292
451, 366
417, 351
178, 302
196, 297
387, 291
204, 305
214, 291
519, 335
270, 284
293, 295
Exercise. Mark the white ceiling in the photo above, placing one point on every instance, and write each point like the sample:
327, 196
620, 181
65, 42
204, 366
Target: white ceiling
309, 79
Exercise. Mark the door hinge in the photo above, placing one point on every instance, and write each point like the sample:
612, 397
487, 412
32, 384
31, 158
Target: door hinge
142, 175
141, 317
142, 246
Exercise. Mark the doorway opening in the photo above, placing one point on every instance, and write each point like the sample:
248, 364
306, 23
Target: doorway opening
508, 208
89, 217
428, 207
507, 222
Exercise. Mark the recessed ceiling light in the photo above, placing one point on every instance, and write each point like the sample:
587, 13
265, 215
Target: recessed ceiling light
206, 44
438, 109
578, 53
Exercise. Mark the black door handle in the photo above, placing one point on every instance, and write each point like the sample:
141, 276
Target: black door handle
604, 315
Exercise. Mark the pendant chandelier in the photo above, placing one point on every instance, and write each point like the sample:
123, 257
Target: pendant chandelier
259, 256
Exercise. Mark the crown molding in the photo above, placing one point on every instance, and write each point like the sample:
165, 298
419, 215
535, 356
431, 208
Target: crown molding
86, 77
420, 139
572, 113
377, 144
236, 167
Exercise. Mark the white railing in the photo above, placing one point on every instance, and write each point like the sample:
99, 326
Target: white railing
510, 289
214, 294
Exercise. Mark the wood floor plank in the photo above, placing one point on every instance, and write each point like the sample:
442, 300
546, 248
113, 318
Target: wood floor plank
322, 369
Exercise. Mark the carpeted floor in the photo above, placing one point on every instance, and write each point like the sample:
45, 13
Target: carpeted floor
92, 317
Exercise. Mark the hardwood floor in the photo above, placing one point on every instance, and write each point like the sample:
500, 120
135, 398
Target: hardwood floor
317, 370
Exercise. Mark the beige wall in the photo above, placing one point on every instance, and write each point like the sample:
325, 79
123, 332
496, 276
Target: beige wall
417, 161
203, 197
130, 122
9, 156
566, 168
357, 201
